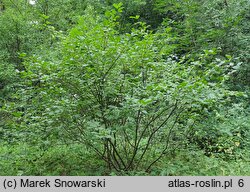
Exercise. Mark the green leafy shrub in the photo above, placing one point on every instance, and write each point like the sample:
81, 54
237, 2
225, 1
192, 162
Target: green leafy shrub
226, 134
118, 95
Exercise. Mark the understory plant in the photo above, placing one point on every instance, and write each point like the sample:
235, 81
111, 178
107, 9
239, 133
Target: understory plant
122, 96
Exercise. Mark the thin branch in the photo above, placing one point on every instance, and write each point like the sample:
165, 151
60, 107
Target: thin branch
117, 153
136, 138
111, 66
154, 131
151, 121
167, 143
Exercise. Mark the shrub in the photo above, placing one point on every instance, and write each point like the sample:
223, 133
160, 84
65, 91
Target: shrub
119, 95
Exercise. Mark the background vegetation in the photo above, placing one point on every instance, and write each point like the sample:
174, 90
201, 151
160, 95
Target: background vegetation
108, 87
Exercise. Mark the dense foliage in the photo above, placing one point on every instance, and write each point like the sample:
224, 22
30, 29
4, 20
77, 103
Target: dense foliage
141, 87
